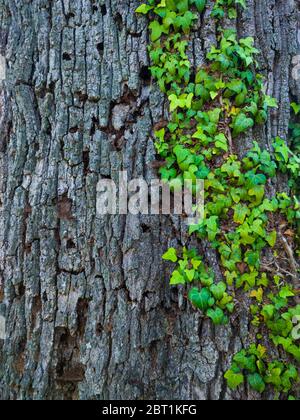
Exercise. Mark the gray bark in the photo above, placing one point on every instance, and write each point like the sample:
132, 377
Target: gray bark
89, 313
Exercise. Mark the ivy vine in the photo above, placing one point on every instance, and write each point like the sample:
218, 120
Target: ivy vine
253, 231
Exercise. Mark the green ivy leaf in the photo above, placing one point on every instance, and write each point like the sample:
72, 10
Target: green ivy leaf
257, 227
177, 278
212, 227
258, 192
171, 255
245, 362
240, 213
217, 316
218, 290
252, 258
295, 107
285, 292
200, 299
271, 102
144, 9
200, 4
182, 5
241, 124
232, 13
156, 30
234, 380
181, 153
241, 3
213, 94
291, 374
190, 275
236, 85
282, 151
256, 382
272, 238
268, 312
221, 142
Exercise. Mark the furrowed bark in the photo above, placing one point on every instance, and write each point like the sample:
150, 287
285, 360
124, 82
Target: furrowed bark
89, 313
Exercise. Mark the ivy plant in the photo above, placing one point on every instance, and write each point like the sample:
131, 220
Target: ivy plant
211, 108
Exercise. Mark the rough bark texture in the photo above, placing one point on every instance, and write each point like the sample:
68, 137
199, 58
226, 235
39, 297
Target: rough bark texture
89, 313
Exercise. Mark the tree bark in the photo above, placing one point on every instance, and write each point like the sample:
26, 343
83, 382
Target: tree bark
88, 310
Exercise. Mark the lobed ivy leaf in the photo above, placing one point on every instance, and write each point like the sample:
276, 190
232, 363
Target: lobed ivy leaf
271, 102
295, 107
200, 299
218, 290
256, 382
200, 4
144, 9
234, 380
156, 30
177, 278
221, 142
240, 213
217, 316
272, 238
171, 255
241, 124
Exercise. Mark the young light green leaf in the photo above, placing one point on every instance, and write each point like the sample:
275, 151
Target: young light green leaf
171, 255
144, 9
234, 380
295, 107
177, 278
272, 238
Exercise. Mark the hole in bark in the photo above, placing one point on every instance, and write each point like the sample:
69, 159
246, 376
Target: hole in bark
95, 9
64, 208
69, 370
103, 10
70, 244
57, 236
66, 57
119, 143
100, 48
20, 290
48, 131
145, 74
95, 124
82, 310
70, 16
83, 97
51, 87
145, 228
45, 297
99, 329
36, 309
20, 357
28, 248
86, 161
119, 21
74, 130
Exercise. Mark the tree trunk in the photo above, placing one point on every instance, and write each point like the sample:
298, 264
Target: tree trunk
88, 310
